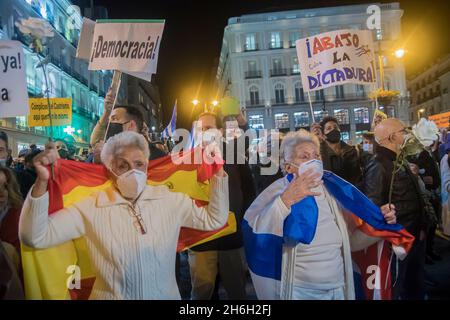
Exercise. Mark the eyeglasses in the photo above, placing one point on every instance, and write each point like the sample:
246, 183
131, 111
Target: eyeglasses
138, 222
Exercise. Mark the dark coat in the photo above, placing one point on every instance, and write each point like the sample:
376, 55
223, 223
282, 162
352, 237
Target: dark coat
347, 165
406, 195
242, 192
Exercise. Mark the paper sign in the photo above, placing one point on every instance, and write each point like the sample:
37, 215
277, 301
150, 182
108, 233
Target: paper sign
85, 42
335, 58
130, 47
13, 83
61, 110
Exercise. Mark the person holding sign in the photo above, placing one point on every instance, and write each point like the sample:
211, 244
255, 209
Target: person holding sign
121, 118
131, 228
339, 157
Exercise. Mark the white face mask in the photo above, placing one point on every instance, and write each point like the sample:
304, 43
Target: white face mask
232, 130
2, 162
131, 183
314, 164
210, 136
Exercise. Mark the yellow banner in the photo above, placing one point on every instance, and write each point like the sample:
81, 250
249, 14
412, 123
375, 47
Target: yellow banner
61, 110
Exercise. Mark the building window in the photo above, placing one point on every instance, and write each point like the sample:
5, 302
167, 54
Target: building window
360, 90
293, 37
279, 93
339, 91
295, 66
301, 119
254, 96
256, 121
342, 116
319, 95
298, 92
275, 40
361, 115
319, 115
281, 120
277, 65
250, 42
251, 70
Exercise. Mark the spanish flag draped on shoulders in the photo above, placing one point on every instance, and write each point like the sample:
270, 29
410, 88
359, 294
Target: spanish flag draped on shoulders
49, 273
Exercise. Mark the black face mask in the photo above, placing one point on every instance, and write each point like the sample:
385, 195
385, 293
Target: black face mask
333, 136
113, 129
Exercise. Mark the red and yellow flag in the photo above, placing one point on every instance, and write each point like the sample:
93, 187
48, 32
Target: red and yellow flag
46, 272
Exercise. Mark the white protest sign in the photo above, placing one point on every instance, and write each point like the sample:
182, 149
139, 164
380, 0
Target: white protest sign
13, 83
85, 42
130, 46
335, 58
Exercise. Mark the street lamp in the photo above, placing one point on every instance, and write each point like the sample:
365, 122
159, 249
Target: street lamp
195, 102
399, 53
215, 103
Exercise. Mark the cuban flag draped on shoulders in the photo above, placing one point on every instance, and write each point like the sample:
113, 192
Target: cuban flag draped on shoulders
267, 234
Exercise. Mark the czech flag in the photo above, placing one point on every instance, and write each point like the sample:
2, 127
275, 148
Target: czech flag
46, 271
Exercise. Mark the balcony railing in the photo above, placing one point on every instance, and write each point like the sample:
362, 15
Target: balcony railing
254, 47
294, 72
257, 103
253, 74
278, 72
291, 44
275, 102
278, 45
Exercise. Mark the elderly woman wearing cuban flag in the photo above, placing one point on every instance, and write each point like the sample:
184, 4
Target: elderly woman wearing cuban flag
297, 238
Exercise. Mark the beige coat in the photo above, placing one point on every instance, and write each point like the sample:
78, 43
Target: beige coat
128, 264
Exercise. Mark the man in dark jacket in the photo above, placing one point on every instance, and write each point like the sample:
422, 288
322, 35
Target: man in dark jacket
224, 256
406, 197
337, 156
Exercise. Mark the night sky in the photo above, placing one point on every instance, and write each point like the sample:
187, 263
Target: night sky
193, 34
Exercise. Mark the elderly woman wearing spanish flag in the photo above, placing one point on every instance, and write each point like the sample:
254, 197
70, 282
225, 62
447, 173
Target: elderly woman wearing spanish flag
131, 228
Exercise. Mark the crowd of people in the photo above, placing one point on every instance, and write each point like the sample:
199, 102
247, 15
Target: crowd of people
143, 263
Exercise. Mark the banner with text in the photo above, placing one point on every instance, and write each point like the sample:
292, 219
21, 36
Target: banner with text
335, 58
61, 110
13, 81
131, 46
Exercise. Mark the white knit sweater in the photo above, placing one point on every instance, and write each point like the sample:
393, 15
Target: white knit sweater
128, 264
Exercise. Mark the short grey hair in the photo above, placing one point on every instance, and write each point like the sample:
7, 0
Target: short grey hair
291, 141
117, 143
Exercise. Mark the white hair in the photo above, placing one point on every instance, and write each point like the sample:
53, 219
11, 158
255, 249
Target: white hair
291, 141
117, 143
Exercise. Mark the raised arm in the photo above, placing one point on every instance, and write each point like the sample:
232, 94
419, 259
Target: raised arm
215, 214
36, 228
100, 128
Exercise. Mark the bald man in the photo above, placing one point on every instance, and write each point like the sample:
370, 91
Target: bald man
407, 199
